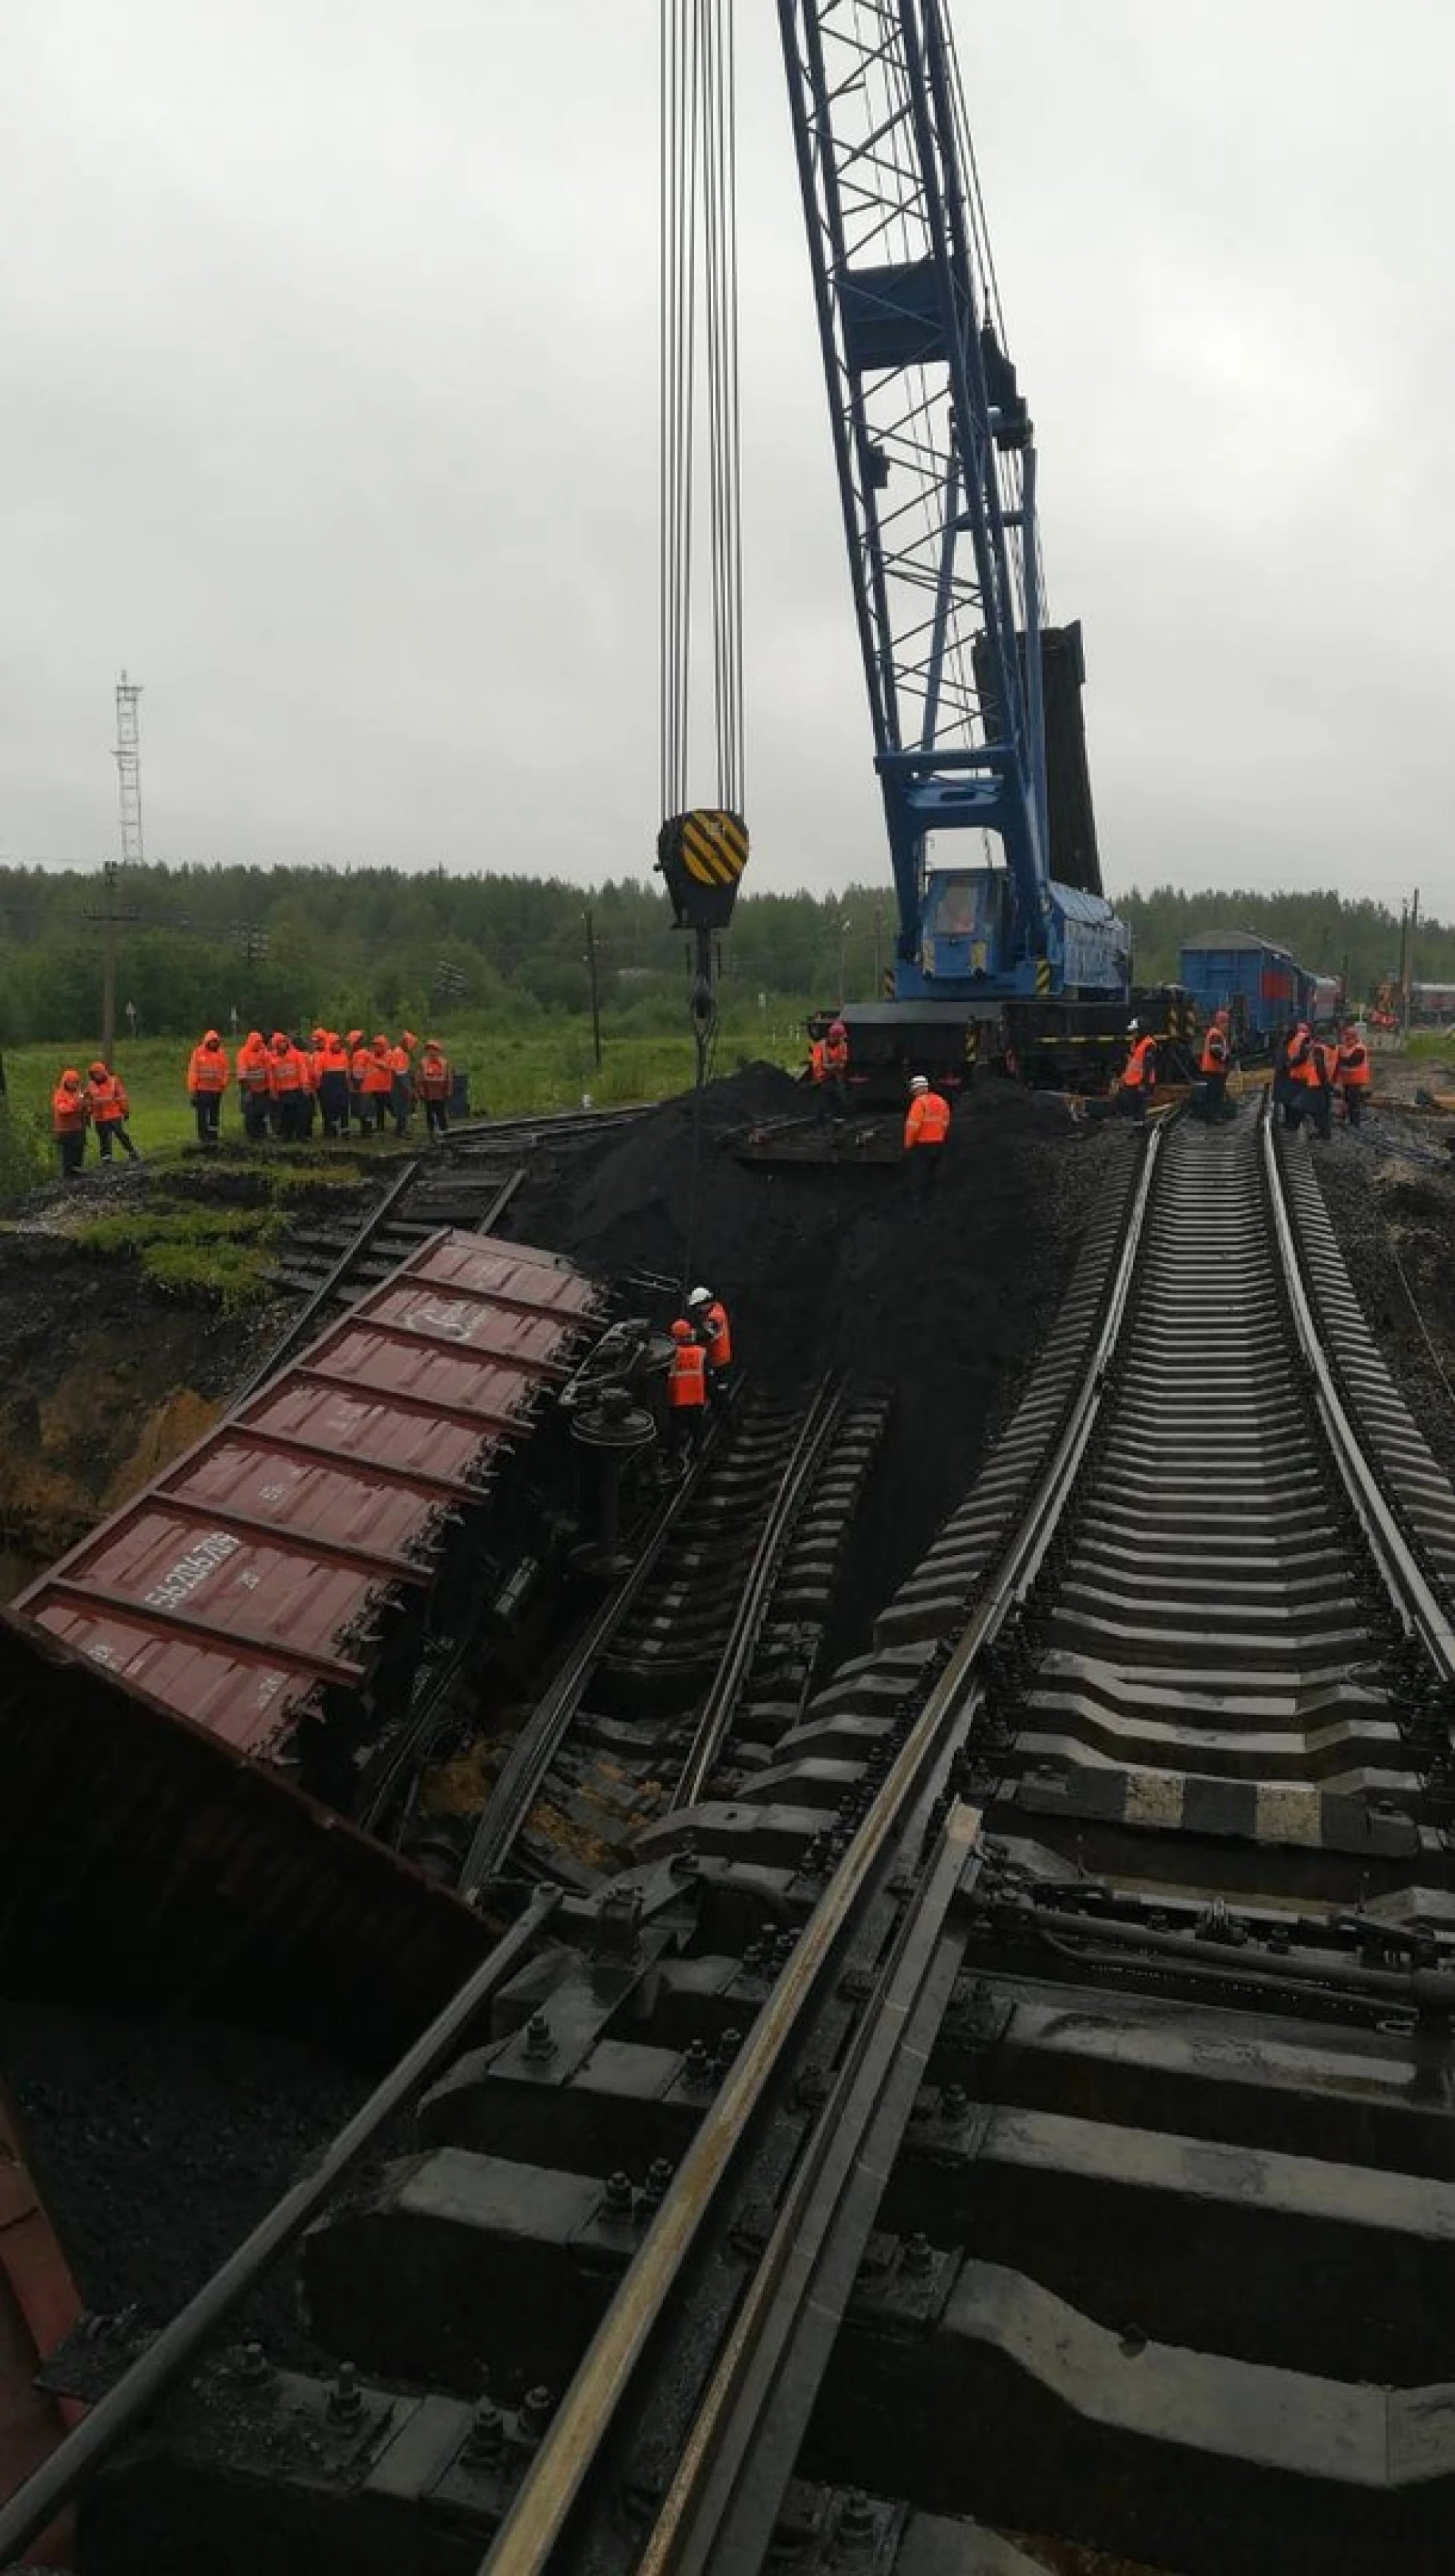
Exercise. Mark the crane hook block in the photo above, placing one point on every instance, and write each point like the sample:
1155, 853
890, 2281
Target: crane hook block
702, 855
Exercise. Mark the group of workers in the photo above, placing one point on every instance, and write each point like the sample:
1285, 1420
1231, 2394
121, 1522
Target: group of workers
700, 1367
1313, 1076
284, 1085
100, 1102
927, 1120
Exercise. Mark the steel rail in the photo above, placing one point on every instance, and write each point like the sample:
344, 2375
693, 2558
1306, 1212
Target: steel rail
1404, 1578
173, 2351
605, 2383
720, 2510
820, 1422
357, 1244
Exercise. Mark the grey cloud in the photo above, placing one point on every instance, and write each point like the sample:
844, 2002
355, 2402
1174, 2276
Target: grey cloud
331, 333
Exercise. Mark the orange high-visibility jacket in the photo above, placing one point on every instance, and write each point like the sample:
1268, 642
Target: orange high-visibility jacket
69, 1111
716, 1334
207, 1070
286, 1071
1214, 1050
687, 1376
432, 1076
1141, 1066
836, 1055
928, 1120
252, 1065
1353, 1063
378, 1073
107, 1101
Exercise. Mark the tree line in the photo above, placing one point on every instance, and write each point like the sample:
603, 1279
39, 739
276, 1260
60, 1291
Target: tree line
380, 948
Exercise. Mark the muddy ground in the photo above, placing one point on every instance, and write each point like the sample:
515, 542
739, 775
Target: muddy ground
1390, 1189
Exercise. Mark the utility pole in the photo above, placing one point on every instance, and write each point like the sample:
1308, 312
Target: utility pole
878, 950
1409, 976
595, 988
127, 756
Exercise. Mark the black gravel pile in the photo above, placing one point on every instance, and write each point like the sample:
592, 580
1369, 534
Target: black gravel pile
157, 2146
1396, 1222
840, 1267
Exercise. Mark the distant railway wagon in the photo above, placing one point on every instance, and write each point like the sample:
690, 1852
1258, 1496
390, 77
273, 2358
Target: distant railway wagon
1261, 985
1432, 1004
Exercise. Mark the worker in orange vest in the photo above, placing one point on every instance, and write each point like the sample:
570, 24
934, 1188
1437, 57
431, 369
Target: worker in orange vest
1139, 1073
401, 1090
686, 1389
377, 1085
332, 1062
287, 1087
433, 1083
1322, 1084
1300, 1073
1213, 1065
206, 1083
1353, 1072
709, 1320
358, 1053
252, 1082
109, 1107
70, 1115
926, 1126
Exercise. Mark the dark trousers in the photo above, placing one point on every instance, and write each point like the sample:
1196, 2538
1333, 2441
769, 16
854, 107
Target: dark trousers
1214, 1094
333, 1101
293, 1108
207, 1108
106, 1129
436, 1117
924, 1168
1353, 1099
255, 1115
685, 1422
70, 1152
833, 1098
1320, 1106
401, 1101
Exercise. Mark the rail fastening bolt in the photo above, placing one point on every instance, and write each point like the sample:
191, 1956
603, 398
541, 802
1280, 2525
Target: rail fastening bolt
919, 2255
619, 2193
345, 2402
539, 2042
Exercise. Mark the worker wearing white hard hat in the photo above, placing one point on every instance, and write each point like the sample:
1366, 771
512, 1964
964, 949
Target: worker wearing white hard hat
710, 1323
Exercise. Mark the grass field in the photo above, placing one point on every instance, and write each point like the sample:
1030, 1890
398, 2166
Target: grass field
510, 1071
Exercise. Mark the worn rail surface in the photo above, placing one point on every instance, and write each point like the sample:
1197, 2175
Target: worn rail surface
1013, 2126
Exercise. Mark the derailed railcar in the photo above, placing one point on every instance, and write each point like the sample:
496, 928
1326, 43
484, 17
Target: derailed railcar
284, 1583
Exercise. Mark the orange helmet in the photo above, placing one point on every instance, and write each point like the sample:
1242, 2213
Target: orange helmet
682, 1330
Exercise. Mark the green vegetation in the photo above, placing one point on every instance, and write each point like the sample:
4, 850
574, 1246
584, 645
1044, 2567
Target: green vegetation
497, 965
221, 1253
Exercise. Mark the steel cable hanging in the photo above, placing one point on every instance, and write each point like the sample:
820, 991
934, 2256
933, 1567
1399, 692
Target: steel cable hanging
699, 402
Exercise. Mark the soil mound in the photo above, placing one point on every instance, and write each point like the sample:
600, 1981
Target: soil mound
843, 1267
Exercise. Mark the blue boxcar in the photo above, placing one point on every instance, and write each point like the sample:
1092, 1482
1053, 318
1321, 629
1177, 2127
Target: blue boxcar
1261, 985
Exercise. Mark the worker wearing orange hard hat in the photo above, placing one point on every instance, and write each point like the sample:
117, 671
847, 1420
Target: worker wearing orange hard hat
401, 1088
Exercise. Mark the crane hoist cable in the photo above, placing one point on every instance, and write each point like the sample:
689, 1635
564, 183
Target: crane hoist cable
702, 848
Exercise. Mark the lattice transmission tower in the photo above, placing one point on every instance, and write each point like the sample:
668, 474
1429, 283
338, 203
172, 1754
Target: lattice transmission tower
128, 768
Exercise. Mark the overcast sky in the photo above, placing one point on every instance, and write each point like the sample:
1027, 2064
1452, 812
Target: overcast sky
329, 331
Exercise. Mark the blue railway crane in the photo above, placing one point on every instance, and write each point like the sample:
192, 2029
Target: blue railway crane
974, 700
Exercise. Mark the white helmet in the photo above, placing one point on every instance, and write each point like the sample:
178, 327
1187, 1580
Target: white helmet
1132, 1027
920, 1082
700, 1297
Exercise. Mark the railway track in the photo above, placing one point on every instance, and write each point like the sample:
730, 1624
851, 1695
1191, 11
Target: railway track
703, 1654
1012, 2127
468, 1182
